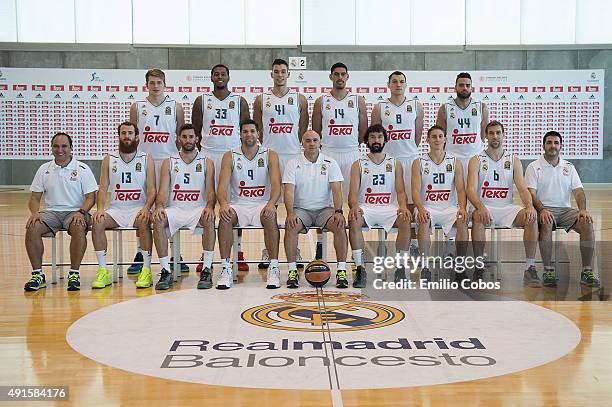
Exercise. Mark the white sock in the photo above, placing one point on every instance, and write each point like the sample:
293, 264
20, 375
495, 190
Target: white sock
101, 256
274, 263
146, 255
138, 244
225, 263
292, 266
164, 262
341, 266
37, 271
73, 271
207, 258
529, 263
358, 257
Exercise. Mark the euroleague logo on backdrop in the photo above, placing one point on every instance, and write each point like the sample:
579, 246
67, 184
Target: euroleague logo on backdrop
306, 311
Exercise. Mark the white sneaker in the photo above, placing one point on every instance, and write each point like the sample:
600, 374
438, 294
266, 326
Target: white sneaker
225, 279
273, 278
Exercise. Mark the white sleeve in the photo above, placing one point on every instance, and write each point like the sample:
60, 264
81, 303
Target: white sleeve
531, 179
335, 174
576, 183
289, 173
88, 181
38, 183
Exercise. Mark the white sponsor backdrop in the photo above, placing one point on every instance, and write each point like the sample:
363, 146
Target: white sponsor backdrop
36, 103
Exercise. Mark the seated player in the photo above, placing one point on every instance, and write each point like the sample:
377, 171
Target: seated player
439, 195
376, 198
252, 175
310, 181
491, 177
189, 177
130, 176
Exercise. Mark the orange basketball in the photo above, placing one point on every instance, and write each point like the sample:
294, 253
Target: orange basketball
317, 273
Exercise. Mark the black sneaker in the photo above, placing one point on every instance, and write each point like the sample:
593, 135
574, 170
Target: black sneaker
36, 282
265, 260
165, 280
136, 266
184, 267
360, 277
400, 274
549, 277
74, 283
294, 279
588, 278
205, 279
478, 274
531, 279
341, 281
426, 274
319, 251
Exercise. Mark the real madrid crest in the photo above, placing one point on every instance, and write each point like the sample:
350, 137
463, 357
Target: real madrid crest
387, 112
327, 106
506, 165
409, 108
176, 169
290, 100
74, 173
114, 169
474, 111
238, 165
351, 104
388, 167
232, 104
366, 170
268, 103
485, 167
449, 167
144, 112
209, 106
426, 170
138, 167
199, 167
260, 162
168, 110
452, 115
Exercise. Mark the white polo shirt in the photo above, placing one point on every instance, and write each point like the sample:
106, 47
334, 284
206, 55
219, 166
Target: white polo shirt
311, 180
553, 185
64, 188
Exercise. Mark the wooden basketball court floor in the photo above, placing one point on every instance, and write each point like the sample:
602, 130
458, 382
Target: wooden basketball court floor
34, 350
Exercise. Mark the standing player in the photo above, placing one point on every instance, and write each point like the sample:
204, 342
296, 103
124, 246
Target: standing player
252, 176
130, 176
157, 117
491, 176
437, 188
463, 120
186, 179
403, 120
216, 118
282, 117
376, 198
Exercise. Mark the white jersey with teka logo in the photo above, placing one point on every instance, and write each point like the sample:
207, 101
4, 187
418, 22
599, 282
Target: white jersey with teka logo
400, 123
187, 183
377, 184
495, 179
340, 122
463, 129
250, 180
157, 125
220, 122
281, 119
438, 182
127, 181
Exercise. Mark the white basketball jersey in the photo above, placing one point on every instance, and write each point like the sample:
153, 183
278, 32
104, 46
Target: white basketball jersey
281, 119
187, 183
220, 122
250, 180
463, 129
438, 182
157, 126
400, 123
340, 122
495, 179
377, 186
127, 181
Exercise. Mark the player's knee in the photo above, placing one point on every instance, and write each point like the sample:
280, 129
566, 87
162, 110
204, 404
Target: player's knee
77, 230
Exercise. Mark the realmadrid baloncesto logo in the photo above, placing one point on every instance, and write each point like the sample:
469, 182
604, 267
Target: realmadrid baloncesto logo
309, 311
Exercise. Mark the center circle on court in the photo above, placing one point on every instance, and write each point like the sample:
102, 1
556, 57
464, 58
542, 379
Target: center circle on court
212, 338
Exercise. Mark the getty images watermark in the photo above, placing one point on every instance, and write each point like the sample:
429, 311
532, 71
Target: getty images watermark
412, 264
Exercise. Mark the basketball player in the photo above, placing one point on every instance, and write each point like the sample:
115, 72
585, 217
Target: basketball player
463, 120
376, 198
550, 180
491, 176
439, 195
282, 116
216, 118
312, 186
130, 176
69, 188
252, 176
157, 117
403, 120
186, 198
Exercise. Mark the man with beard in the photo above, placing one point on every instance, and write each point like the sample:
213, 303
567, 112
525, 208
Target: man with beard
190, 177
130, 177
69, 189
463, 120
252, 176
376, 198
550, 180
491, 176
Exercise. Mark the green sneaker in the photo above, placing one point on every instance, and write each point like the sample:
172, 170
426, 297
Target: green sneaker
588, 278
549, 277
531, 279
294, 279
74, 282
341, 281
103, 279
36, 282
205, 279
145, 279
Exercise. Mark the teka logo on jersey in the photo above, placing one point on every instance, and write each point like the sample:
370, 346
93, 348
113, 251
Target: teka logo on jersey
301, 312
398, 134
185, 195
280, 128
220, 129
126, 195
439, 195
493, 192
155, 136
252, 192
463, 138
380, 198
339, 129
